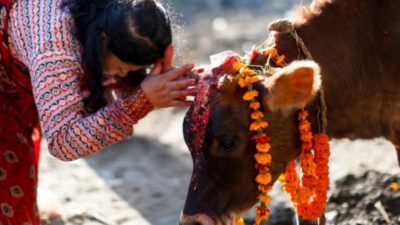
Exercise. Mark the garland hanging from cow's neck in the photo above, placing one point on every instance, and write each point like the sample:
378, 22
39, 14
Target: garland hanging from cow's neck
310, 194
307, 194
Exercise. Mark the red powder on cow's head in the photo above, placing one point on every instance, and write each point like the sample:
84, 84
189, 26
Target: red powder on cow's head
198, 116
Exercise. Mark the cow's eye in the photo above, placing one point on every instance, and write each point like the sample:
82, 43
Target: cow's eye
227, 142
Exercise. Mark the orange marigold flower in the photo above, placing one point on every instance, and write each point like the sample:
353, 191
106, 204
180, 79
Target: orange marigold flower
260, 218
247, 72
263, 158
262, 210
279, 61
304, 126
257, 125
255, 105
257, 115
305, 194
264, 198
310, 170
322, 171
244, 81
263, 147
309, 181
323, 138
303, 115
282, 178
394, 186
270, 52
240, 221
306, 137
249, 95
308, 165
264, 178
265, 188
238, 65
306, 146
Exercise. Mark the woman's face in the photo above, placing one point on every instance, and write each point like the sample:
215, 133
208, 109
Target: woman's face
113, 66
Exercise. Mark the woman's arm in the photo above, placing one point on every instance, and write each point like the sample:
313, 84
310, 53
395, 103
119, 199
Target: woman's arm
71, 134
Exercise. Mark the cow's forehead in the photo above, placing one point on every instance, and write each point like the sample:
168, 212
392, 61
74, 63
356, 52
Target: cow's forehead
199, 113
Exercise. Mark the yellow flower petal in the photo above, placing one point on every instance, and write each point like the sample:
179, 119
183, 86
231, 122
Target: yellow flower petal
247, 72
394, 186
282, 178
239, 65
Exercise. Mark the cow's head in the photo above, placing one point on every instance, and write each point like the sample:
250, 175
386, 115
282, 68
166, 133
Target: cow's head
216, 130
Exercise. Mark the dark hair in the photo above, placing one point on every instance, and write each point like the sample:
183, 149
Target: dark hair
138, 32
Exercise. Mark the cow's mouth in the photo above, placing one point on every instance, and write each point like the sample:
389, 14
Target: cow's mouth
204, 219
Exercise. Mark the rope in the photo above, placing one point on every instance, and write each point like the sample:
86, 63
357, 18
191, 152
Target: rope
285, 26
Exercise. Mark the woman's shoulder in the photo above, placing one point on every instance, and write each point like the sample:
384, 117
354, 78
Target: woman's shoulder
40, 26
40, 10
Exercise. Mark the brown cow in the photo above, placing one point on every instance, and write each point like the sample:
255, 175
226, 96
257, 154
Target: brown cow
357, 46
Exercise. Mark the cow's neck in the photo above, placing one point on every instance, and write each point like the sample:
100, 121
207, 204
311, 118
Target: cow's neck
336, 44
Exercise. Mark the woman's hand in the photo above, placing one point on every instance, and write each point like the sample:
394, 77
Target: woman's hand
169, 88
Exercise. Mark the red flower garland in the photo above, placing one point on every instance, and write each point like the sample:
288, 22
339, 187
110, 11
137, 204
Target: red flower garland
309, 194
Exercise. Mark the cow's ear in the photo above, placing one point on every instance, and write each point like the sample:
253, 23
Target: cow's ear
293, 85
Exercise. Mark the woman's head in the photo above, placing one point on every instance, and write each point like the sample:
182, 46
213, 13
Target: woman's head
137, 31
118, 37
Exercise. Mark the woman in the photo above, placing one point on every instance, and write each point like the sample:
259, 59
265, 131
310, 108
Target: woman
59, 61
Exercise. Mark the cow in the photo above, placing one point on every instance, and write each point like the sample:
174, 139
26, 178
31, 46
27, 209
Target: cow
356, 44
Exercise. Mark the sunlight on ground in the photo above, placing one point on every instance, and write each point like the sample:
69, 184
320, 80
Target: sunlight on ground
82, 194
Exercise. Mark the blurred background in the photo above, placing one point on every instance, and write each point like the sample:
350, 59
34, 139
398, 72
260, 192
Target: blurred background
205, 27
144, 180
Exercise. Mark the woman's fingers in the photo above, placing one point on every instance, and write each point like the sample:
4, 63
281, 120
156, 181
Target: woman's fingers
169, 88
180, 103
181, 84
179, 72
182, 94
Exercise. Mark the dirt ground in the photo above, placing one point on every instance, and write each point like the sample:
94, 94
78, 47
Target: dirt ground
144, 180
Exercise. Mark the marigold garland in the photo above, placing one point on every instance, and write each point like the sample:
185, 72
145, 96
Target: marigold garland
247, 77
308, 193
